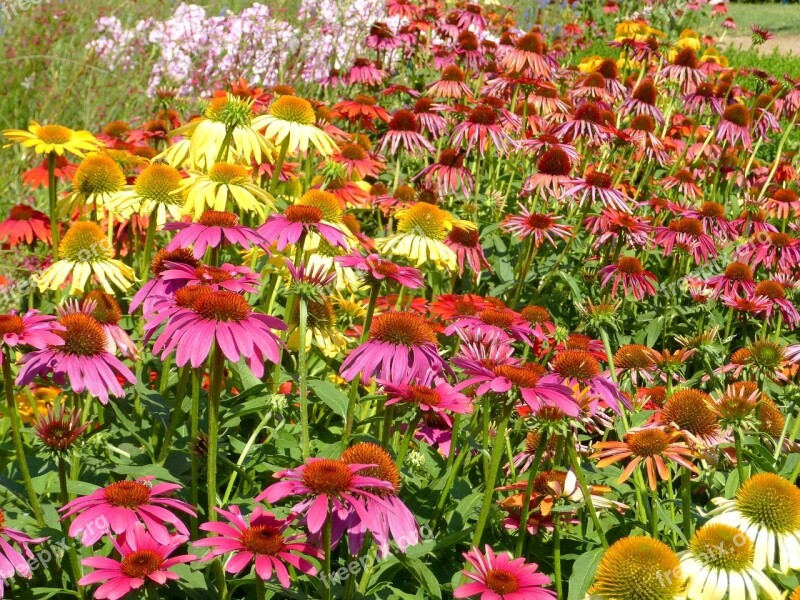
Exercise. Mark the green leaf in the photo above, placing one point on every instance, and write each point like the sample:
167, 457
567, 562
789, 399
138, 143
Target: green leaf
573, 284
421, 573
583, 573
331, 395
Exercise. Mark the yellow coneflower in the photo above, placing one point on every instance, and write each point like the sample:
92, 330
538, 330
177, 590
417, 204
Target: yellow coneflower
638, 568
86, 251
152, 191
45, 139
223, 182
97, 179
767, 509
227, 128
43, 396
322, 330
421, 231
290, 122
719, 563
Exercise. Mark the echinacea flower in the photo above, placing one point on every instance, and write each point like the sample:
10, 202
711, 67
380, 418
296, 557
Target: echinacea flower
719, 563
570, 367
26, 225
296, 222
212, 230
47, 139
13, 561
98, 179
421, 231
30, 329
643, 101
224, 187
85, 252
629, 274
81, 357
688, 234
528, 56
401, 346
774, 294
450, 85
448, 174
142, 561
653, 446
638, 568
552, 172
155, 287
404, 134
259, 540
736, 280
205, 318
496, 321
734, 126
106, 310
290, 122
503, 577
151, 195
692, 412
376, 269
767, 510
59, 430
482, 129
540, 226
437, 397
597, 186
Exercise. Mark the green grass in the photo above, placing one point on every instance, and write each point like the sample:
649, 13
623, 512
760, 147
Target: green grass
781, 19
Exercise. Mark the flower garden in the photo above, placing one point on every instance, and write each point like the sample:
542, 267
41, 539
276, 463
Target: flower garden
448, 300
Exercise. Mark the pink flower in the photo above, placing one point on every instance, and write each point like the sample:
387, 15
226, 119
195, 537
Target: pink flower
466, 243
12, 561
404, 133
157, 287
482, 129
572, 367
125, 504
502, 321
449, 174
437, 397
296, 222
225, 277
212, 230
542, 226
502, 577
629, 273
377, 269
262, 542
106, 310
597, 186
143, 560
31, 329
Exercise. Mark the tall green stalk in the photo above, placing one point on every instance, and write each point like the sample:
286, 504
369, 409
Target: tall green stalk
303, 376
214, 395
53, 201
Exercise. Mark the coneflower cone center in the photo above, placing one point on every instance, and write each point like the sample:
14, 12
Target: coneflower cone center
221, 305
353, 152
84, 242
21, 212
228, 174
11, 324
767, 354
385, 469
402, 329
82, 334
54, 134
638, 568
722, 547
180, 255
634, 356
303, 214
630, 265
739, 272
770, 501
576, 364
647, 442
539, 222
141, 563
293, 109
554, 162
107, 311
502, 319
691, 410
501, 581
127, 494
263, 539
157, 182
216, 218
327, 476
462, 236
98, 174
522, 377
327, 203
530, 42
424, 220
770, 289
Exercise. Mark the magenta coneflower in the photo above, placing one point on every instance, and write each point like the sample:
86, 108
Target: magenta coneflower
108, 313
205, 317
123, 505
402, 8
592, 88
684, 180
702, 99
365, 72
401, 345
775, 294
540, 226
528, 56
544, 141
597, 186
783, 204
327, 486
642, 133
31, 329
404, 134
382, 38
142, 561
616, 226
684, 70
689, 235
358, 162
712, 215
736, 280
362, 109
629, 273
588, 122
481, 129
261, 542
503, 577
12, 561
375, 269
297, 221
643, 101
451, 85
572, 367
81, 358
471, 17
225, 277
466, 243
156, 286
553, 169
212, 230
437, 397
496, 321
470, 52
771, 249
734, 126
428, 117
449, 174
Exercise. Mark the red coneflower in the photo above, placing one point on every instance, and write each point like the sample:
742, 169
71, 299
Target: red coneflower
25, 224
643, 101
587, 121
734, 126
427, 113
631, 275
736, 280
541, 226
684, 180
690, 236
404, 134
597, 186
528, 56
363, 109
482, 129
553, 169
449, 174
775, 295
684, 70
466, 243
357, 161
619, 227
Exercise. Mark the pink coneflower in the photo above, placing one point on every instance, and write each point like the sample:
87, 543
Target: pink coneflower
541, 226
643, 101
482, 129
212, 230
775, 294
401, 346
12, 561
449, 306
592, 88
261, 542
734, 126
689, 235
771, 249
123, 505
365, 72
528, 56
544, 141
466, 243
751, 305
684, 180
471, 17
143, 561
619, 227
382, 38
783, 204
376, 269
428, 117
156, 286
553, 169
449, 174
597, 186
205, 318
358, 162
81, 358
25, 224
450, 85
225, 277
435, 397
736, 280
703, 99
571, 367
631, 275
31, 329
712, 215
328, 487
107, 311
502, 577
297, 221
402, 8
468, 49
404, 134
760, 34
587, 121
544, 98
684, 70
642, 133
497, 321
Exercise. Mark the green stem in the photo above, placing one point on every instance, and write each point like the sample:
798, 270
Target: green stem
53, 197
152, 222
243, 455
576, 465
406, 440
303, 376
326, 561
273, 184
194, 431
214, 394
75, 565
526, 500
654, 512
177, 413
491, 476
557, 557
16, 436
686, 502
737, 440
261, 592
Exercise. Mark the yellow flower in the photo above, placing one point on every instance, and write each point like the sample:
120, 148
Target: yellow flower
84, 251
45, 139
712, 55
223, 182
43, 396
290, 120
322, 329
227, 121
151, 191
589, 64
97, 179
